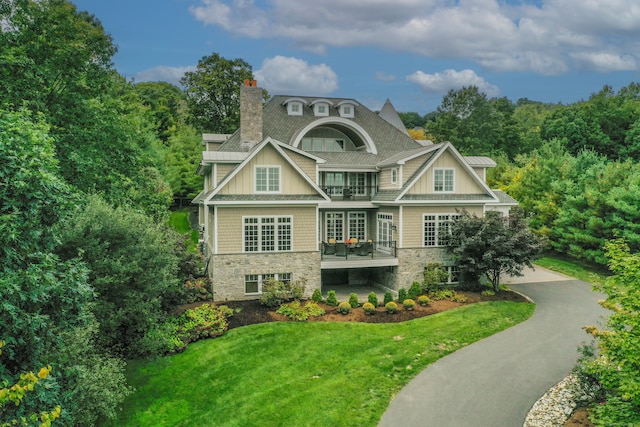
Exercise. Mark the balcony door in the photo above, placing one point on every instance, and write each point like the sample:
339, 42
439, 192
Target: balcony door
385, 232
334, 225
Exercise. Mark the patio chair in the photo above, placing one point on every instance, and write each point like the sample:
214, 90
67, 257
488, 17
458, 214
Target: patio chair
341, 249
365, 249
329, 248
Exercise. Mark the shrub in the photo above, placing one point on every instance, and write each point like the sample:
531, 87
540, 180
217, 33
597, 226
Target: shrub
414, 291
458, 298
423, 300
369, 308
317, 295
434, 275
344, 307
391, 307
197, 290
402, 295
488, 293
276, 293
295, 311
353, 300
373, 299
173, 335
441, 294
332, 299
408, 304
387, 297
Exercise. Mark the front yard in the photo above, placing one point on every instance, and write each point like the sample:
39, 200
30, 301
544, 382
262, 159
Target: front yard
299, 374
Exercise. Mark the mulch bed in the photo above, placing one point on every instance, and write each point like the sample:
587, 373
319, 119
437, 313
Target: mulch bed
252, 312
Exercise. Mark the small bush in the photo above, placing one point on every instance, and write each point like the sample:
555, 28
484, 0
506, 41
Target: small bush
391, 307
458, 298
423, 300
402, 295
276, 293
344, 307
369, 308
332, 299
414, 291
408, 304
353, 300
488, 293
373, 299
197, 290
441, 294
434, 276
317, 295
295, 311
387, 297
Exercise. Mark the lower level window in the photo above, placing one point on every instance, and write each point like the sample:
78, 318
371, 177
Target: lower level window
253, 282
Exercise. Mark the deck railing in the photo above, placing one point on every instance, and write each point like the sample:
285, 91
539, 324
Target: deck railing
350, 192
358, 251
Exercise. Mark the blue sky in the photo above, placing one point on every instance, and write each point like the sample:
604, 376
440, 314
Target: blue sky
410, 51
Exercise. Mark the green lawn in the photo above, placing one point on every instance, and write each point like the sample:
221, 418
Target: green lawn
581, 271
179, 220
303, 374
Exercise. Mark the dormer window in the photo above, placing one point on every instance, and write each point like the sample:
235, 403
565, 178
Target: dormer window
321, 107
295, 106
347, 108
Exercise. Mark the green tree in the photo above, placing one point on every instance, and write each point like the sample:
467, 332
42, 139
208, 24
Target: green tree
412, 119
213, 93
182, 155
467, 119
492, 245
44, 299
618, 365
51, 55
167, 104
133, 269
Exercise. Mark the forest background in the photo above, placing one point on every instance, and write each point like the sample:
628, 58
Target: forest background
91, 165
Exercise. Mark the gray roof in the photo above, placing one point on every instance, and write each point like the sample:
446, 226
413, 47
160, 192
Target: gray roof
480, 161
391, 115
504, 198
280, 126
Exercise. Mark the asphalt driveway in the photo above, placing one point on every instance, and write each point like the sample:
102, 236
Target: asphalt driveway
496, 381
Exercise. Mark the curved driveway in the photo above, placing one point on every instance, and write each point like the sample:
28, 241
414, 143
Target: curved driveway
496, 381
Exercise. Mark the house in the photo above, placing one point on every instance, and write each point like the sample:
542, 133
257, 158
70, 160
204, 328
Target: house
327, 191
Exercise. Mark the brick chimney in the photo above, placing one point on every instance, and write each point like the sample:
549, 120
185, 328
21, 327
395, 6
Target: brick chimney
250, 113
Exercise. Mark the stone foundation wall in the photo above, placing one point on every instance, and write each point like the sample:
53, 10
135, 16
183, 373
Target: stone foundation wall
227, 272
411, 264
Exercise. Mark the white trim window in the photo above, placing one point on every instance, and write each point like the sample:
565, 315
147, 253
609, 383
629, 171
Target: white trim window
358, 225
443, 180
394, 175
294, 108
267, 179
253, 282
334, 225
385, 231
267, 234
437, 229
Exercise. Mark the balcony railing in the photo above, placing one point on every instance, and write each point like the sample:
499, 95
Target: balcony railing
340, 251
350, 192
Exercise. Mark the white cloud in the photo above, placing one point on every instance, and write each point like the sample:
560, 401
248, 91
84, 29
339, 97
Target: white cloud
439, 83
540, 36
163, 73
285, 75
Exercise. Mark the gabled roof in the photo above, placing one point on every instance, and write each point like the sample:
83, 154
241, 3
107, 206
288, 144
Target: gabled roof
403, 157
487, 196
254, 151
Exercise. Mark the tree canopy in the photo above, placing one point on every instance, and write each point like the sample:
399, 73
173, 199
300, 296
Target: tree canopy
213, 93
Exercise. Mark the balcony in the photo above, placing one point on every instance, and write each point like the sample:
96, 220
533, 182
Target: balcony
356, 255
351, 192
